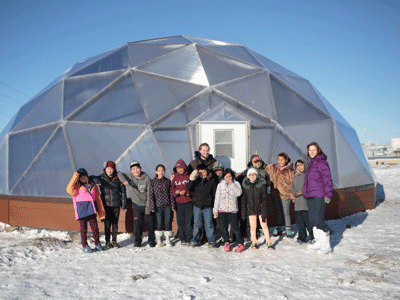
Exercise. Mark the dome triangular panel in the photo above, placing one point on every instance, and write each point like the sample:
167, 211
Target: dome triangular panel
290, 107
110, 140
120, 104
235, 51
253, 91
23, 147
142, 53
183, 64
161, 95
220, 68
168, 40
50, 173
79, 89
46, 110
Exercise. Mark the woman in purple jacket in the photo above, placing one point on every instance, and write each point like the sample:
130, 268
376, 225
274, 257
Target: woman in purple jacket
318, 191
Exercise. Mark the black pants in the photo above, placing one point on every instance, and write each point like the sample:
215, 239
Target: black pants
112, 218
303, 223
138, 217
184, 218
278, 211
226, 219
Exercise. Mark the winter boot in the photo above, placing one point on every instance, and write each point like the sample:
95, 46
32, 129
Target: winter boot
325, 243
168, 236
317, 244
277, 231
87, 249
159, 235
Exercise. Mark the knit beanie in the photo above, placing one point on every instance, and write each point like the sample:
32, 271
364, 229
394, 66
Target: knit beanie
110, 164
251, 171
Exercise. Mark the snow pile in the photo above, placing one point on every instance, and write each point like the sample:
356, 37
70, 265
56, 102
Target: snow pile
365, 264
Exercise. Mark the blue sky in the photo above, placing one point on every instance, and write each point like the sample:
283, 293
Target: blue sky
349, 50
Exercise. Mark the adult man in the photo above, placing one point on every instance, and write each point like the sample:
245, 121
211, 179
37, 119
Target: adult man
202, 156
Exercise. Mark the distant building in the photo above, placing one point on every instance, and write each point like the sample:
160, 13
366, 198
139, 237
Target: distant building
382, 154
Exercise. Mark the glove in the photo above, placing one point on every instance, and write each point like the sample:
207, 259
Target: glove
193, 176
327, 200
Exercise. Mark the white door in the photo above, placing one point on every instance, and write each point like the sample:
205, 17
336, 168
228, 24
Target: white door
228, 142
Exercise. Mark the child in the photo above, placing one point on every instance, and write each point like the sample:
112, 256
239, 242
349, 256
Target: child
281, 179
226, 208
254, 205
218, 170
202, 186
139, 187
160, 203
87, 203
300, 204
113, 195
184, 203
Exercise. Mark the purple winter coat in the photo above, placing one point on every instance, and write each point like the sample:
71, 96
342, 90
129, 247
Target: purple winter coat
318, 179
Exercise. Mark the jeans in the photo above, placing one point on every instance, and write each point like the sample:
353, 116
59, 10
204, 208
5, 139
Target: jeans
198, 216
138, 217
226, 219
316, 212
303, 222
184, 217
163, 213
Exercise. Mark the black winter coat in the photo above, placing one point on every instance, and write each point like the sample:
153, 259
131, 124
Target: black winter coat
113, 192
254, 200
203, 191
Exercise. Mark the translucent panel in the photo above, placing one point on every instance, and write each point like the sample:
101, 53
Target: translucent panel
161, 95
146, 152
352, 171
201, 104
7, 128
50, 173
332, 111
304, 88
290, 107
224, 150
85, 62
239, 52
23, 149
253, 91
141, 53
174, 145
283, 144
220, 68
47, 110
79, 89
168, 40
352, 138
183, 64
206, 42
272, 66
121, 104
92, 145
261, 140
321, 132
3, 167
223, 136
115, 60
177, 119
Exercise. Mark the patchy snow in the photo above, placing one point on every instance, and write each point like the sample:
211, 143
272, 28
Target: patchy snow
365, 263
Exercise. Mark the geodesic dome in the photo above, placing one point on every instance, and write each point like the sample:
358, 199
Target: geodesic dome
142, 101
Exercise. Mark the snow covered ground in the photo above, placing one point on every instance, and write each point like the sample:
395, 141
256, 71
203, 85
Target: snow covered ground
365, 264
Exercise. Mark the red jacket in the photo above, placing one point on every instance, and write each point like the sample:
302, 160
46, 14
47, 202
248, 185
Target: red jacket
179, 183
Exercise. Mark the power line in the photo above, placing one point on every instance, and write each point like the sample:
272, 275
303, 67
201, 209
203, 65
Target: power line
11, 98
14, 89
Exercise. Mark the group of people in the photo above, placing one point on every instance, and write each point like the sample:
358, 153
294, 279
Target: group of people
206, 196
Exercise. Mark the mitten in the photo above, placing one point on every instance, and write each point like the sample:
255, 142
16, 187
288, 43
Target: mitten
193, 176
327, 200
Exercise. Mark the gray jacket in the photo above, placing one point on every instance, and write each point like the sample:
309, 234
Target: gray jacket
297, 186
138, 188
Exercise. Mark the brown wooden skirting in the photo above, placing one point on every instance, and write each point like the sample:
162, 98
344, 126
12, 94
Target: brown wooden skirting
58, 213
